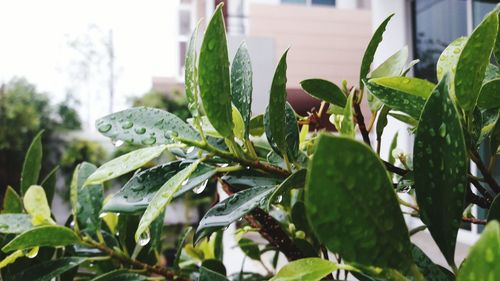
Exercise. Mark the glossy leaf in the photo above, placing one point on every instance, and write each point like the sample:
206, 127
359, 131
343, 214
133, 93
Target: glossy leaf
32, 163
214, 78
407, 103
48, 270
248, 179
447, 62
489, 96
250, 248
393, 66
371, 49
440, 167
145, 126
35, 203
277, 105
15, 223
11, 258
190, 74
352, 227
414, 86
292, 133
210, 275
484, 257
324, 90
256, 127
180, 245
124, 164
88, 199
121, 275
241, 85
494, 211
239, 125
473, 61
42, 236
12, 203
347, 124
295, 180
231, 209
162, 198
310, 269
430, 270
49, 184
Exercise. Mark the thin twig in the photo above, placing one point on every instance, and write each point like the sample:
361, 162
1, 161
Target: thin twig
474, 156
361, 124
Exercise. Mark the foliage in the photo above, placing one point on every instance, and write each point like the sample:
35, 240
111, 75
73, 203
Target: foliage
308, 195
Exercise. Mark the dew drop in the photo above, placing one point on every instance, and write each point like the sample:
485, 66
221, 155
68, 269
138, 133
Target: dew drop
149, 141
102, 215
190, 149
144, 238
442, 130
279, 199
104, 128
31, 253
200, 188
185, 182
171, 134
118, 143
127, 125
457, 51
211, 44
140, 130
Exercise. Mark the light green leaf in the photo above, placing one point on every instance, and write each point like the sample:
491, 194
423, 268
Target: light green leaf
11, 258
324, 90
371, 49
15, 223
239, 126
393, 66
484, 257
447, 62
190, 74
162, 198
347, 124
440, 167
310, 269
490, 95
277, 104
32, 163
257, 125
350, 226
124, 164
48, 270
241, 85
213, 75
42, 236
35, 203
12, 203
145, 126
413, 86
473, 61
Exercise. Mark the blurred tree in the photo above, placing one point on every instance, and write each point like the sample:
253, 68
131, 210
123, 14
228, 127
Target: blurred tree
174, 102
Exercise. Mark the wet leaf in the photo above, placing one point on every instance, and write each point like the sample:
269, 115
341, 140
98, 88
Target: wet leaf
413, 86
42, 236
447, 62
250, 249
295, 180
48, 270
190, 74
257, 125
32, 163
489, 96
241, 85
310, 269
213, 75
494, 211
246, 179
11, 258
145, 126
440, 167
124, 164
324, 90
15, 223
12, 203
484, 257
430, 270
239, 125
35, 203
292, 133
351, 227
473, 61
88, 199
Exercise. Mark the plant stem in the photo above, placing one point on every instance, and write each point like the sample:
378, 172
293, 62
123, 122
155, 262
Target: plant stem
361, 124
474, 156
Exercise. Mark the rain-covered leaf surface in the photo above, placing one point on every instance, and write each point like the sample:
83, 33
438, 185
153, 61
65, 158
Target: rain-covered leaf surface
32, 164
324, 90
124, 164
363, 222
213, 74
88, 199
447, 62
231, 209
190, 74
292, 133
15, 223
244, 179
35, 203
277, 104
490, 95
440, 167
473, 60
241, 84
295, 180
144, 126
310, 269
414, 86
48, 270
42, 236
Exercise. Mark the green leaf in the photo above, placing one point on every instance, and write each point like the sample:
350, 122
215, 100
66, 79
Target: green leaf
162, 198
180, 244
394, 144
11, 258
49, 184
473, 61
494, 211
371, 49
231, 209
484, 257
430, 270
241, 84
489, 97
277, 104
145, 126
48, 270
292, 133
295, 180
15, 223
256, 127
404, 118
42, 236
347, 124
310, 269
248, 178
440, 167
239, 125
324, 90
190, 74
447, 62
32, 163
89, 200
210, 275
124, 164
413, 86
489, 118
120, 275
407, 103
382, 122
35, 203
250, 249
393, 66
364, 223
137, 193
12, 203
214, 78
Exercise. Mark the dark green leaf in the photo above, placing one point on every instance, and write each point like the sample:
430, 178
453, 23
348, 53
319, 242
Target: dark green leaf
352, 227
249, 248
440, 167
190, 77
430, 270
49, 184
489, 118
213, 74
484, 257
473, 61
494, 211
404, 118
120, 275
292, 133
214, 265
210, 275
32, 163
489, 96
277, 104
180, 246
310, 269
42, 236
371, 49
89, 200
124, 164
247, 179
299, 217
394, 144
241, 84
48, 270
324, 90
382, 123
12, 203
15, 223
145, 126
230, 210
495, 138
257, 125
295, 180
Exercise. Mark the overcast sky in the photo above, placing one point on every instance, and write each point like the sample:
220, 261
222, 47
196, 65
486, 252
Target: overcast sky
34, 41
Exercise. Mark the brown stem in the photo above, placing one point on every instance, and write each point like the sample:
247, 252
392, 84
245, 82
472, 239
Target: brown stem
480, 188
474, 221
478, 200
391, 168
474, 156
361, 124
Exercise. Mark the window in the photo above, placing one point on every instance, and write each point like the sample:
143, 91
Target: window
480, 8
310, 2
294, 1
182, 56
184, 22
324, 2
